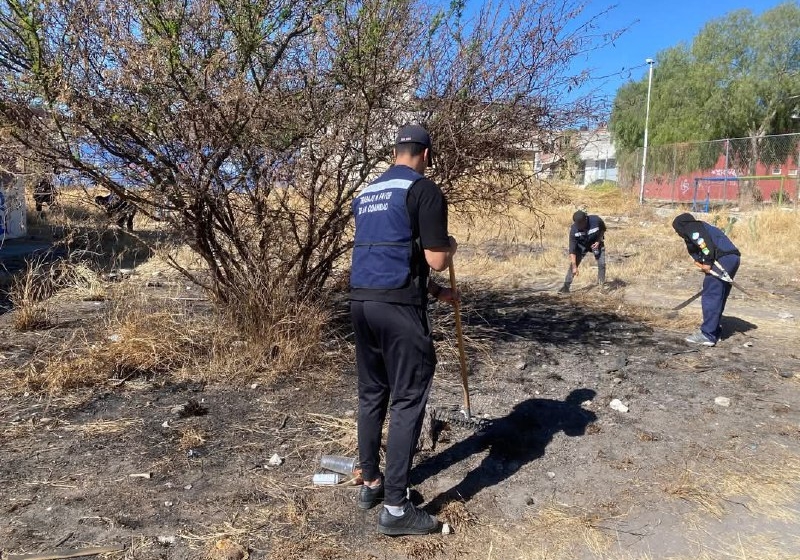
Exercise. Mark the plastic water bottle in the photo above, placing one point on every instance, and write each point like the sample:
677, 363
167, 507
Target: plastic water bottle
327, 479
338, 464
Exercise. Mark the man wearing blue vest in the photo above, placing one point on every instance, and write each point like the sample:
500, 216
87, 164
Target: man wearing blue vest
401, 233
586, 234
715, 255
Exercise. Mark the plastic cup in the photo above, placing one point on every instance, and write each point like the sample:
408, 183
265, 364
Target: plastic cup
338, 464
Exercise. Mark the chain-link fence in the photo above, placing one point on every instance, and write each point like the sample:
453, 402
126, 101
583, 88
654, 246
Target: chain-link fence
729, 171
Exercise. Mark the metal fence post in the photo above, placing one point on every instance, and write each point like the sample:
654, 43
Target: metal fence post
727, 166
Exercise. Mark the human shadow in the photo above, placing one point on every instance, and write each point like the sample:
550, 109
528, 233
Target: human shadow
513, 441
734, 325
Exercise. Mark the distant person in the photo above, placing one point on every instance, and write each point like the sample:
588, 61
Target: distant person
710, 248
401, 233
586, 234
44, 193
118, 208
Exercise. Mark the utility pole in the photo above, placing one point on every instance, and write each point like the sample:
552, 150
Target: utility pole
650, 63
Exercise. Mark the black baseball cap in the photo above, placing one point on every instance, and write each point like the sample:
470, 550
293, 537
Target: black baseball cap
579, 216
415, 134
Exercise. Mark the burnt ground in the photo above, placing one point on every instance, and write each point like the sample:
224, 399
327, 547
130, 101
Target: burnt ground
558, 474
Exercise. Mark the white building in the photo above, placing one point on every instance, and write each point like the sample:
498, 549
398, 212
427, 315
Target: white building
13, 211
597, 155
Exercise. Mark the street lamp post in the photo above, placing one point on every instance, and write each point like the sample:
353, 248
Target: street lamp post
650, 63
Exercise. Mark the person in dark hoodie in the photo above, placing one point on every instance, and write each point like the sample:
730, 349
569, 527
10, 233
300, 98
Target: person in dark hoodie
714, 254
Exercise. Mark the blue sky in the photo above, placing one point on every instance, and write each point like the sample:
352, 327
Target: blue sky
654, 26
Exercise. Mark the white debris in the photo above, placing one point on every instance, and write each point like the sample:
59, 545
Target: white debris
722, 401
275, 461
747, 344
165, 424
618, 405
617, 380
254, 386
187, 487
785, 315
586, 404
551, 474
446, 530
168, 504
166, 540
114, 337
520, 365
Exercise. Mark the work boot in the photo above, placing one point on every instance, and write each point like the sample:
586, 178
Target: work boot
564, 289
413, 522
368, 497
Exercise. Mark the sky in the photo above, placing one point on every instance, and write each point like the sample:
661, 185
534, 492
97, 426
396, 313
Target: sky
653, 25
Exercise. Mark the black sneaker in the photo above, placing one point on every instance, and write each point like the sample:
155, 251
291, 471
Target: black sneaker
413, 522
370, 497
564, 289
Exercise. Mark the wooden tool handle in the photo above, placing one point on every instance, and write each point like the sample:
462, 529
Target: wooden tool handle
462, 358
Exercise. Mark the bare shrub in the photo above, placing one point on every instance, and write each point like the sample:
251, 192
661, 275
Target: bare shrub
246, 128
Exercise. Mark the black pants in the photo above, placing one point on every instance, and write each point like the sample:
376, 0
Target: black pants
395, 361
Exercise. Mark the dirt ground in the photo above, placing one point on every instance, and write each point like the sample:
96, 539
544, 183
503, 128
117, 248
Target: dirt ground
705, 463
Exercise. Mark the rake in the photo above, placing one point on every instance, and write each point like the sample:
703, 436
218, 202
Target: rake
464, 416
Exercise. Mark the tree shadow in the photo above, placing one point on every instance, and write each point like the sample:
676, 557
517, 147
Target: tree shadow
512, 441
734, 325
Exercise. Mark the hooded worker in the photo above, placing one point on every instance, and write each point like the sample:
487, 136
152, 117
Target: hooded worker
718, 258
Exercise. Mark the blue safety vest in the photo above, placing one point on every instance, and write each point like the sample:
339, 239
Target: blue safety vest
383, 247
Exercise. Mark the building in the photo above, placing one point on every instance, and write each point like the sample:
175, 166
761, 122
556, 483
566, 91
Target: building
597, 156
13, 210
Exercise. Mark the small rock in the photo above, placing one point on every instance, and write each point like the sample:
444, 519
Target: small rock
168, 485
747, 344
276, 460
521, 365
168, 504
349, 413
114, 337
616, 380
446, 530
785, 315
586, 404
166, 540
165, 424
187, 487
551, 474
722, 401
618, 405
254, 386
177, 409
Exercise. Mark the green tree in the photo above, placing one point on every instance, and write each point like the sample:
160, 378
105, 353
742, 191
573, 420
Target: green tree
737, 78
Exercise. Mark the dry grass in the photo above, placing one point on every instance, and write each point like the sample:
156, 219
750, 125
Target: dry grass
641, 244
331, 432
29, 290
769, 492
192, 438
